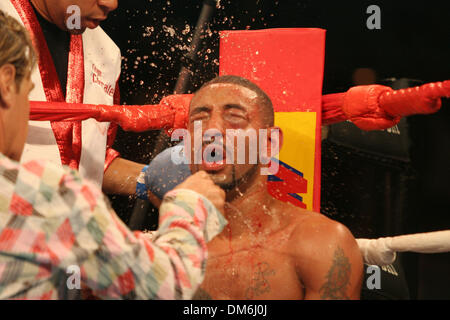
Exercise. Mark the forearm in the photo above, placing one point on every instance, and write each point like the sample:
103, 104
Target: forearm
170, 267
121, 176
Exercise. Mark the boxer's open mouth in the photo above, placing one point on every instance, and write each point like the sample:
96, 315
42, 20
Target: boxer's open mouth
214, 157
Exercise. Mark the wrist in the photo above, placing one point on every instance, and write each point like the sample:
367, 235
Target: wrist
141, 187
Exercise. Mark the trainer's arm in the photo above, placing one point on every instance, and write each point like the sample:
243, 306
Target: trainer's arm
161, 176
121, 177
331, 268
124, 264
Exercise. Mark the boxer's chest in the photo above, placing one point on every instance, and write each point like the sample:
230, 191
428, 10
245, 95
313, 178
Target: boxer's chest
252, 272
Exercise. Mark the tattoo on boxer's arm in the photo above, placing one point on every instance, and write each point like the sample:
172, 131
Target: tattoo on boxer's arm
260, 284
338, 278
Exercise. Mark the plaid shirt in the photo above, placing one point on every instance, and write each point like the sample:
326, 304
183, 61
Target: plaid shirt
52, 224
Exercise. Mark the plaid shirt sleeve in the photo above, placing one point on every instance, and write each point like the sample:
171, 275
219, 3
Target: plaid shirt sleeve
56, 221
169, 267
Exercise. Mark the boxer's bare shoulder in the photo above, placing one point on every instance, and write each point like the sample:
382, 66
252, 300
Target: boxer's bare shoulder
326, 255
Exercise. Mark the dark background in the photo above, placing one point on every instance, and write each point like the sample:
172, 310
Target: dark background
372, 193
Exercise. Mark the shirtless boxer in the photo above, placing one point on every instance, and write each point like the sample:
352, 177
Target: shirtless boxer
270, 249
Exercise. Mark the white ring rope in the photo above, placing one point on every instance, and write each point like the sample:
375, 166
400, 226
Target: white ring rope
382, 251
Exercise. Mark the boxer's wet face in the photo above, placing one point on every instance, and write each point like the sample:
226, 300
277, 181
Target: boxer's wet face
92, 12
223, 106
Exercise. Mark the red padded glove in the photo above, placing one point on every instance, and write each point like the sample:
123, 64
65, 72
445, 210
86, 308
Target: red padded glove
137, 118
171, 113
376, 107
361, 106
179, 103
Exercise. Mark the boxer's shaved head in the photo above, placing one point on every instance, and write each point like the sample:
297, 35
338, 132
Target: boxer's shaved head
265, 103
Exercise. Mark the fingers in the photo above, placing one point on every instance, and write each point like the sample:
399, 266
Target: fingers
202, 183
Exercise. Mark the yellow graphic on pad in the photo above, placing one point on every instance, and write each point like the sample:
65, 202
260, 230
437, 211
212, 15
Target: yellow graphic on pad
299, 147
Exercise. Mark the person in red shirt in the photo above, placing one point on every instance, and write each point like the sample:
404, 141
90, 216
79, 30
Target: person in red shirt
78, 63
